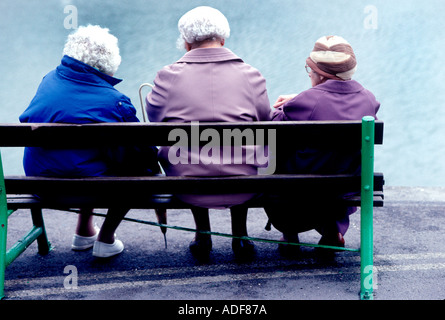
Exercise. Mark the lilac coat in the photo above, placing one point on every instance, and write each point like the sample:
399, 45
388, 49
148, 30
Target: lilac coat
208, 85
332, 100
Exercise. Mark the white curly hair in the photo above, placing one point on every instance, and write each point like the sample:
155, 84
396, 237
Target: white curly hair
203, 23
94, 46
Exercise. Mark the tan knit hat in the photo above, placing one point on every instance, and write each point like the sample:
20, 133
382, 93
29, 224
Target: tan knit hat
333, 57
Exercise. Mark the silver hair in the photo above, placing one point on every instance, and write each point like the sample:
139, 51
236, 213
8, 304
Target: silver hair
203, 23
94, 46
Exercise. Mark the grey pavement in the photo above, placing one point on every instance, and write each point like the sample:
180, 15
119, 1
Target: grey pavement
409, 256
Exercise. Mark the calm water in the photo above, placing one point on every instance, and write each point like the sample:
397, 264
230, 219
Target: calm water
399, 46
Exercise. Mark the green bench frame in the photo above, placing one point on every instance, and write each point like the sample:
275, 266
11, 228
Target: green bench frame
16, 192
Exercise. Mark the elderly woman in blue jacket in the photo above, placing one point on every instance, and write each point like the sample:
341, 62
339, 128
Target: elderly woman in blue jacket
81, 90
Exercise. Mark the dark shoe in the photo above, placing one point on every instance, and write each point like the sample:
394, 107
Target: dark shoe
243, 249
334, 240
289, 250
201, 248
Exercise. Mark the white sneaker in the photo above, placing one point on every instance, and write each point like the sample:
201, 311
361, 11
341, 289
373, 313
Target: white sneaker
83, 243
105, 250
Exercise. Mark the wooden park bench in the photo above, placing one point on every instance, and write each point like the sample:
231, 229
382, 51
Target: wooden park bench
150, 192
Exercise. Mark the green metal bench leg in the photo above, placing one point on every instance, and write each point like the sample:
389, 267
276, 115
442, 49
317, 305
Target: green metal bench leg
37, 232
44, 246
3, 231
366, 218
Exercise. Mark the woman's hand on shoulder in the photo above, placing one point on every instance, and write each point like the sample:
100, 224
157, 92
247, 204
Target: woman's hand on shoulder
283, 99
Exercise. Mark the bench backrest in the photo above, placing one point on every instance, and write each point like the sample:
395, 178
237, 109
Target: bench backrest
335, 134
326, 134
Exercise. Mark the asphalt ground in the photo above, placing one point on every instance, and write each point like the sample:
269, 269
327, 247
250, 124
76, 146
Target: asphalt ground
409, 259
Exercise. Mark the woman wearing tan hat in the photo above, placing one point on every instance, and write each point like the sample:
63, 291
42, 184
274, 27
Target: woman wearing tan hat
333, 96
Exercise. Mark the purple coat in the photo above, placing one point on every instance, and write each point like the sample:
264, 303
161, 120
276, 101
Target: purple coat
332, 100
208, 85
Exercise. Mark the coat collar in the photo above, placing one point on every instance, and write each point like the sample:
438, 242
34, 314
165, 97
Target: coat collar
204, 55
77, 70
340, 86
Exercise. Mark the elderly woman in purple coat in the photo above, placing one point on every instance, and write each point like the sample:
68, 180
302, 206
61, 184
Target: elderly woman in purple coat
333, 96
209, 84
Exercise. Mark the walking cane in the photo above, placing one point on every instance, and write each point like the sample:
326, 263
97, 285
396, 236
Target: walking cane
161, 215
140, 98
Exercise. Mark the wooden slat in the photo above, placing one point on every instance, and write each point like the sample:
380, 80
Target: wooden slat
300, 133
170, 202
286, 183
167, 201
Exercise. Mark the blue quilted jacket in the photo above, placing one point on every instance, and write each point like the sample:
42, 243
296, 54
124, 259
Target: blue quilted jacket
75, 93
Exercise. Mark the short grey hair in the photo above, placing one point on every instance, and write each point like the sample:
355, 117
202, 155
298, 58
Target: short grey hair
94, 46
203, 23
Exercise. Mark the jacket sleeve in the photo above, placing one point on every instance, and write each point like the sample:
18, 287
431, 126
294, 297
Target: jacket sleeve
374, 103
278, 115
156, 100
126, 110
130, 160
263, 106
261, 99
300, 108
